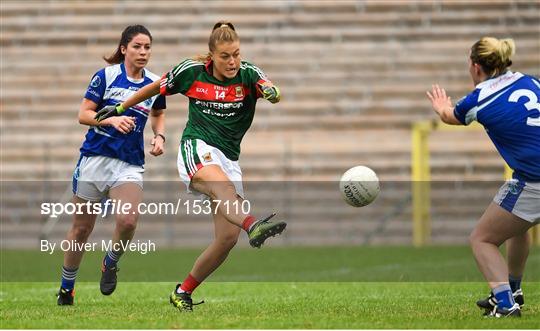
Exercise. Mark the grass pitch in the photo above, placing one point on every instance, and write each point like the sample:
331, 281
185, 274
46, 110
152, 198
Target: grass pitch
283, 288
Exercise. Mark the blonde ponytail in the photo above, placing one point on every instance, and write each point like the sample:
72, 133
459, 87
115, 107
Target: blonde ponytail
493, 55
201, 58
507, 48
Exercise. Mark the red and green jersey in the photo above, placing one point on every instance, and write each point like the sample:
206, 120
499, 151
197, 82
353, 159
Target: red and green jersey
220, 112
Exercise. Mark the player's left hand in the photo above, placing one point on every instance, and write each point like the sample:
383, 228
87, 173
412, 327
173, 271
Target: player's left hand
157, 145
269, 92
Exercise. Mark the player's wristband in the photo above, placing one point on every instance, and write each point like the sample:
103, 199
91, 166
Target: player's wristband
120, 109
160, 135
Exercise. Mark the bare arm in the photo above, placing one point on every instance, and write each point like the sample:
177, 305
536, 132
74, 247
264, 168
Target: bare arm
144, 93
87, 111
442, 105
157, 120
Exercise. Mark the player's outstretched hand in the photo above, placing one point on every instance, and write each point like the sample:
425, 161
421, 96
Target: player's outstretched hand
108, 111
439, 100
270, 92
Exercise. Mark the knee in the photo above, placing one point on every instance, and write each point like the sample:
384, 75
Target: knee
475, 237
227, 242
126, 223
81, 232
478, 238
223, 191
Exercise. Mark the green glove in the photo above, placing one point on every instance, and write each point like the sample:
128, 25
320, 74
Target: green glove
270, 93
109, 111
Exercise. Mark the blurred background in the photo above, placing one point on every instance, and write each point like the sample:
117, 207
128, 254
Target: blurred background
353, 75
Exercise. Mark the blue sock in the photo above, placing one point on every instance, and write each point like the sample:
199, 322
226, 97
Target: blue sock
504, 296
515, 282
111, 258
68, 278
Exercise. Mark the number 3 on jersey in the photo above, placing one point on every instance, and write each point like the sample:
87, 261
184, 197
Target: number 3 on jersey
532, 103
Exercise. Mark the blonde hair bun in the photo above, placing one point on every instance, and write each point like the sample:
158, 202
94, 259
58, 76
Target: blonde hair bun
494, 55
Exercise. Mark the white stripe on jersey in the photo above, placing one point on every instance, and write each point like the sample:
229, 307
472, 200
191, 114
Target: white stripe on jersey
111, 72
101, 132
122, 94
471, 114
187, 64
254, 68
492, 86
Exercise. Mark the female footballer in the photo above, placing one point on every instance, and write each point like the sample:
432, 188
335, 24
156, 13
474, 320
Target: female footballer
507, 105
112, 155
222, 91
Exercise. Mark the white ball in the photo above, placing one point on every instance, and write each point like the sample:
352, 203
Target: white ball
359, 186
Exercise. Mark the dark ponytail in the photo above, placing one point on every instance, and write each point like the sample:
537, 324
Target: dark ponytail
128, 34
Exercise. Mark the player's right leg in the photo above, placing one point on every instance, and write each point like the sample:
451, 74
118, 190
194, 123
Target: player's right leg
517, 251
82, 227
207, 170
225, 238
85, 188
515, 200
495, 227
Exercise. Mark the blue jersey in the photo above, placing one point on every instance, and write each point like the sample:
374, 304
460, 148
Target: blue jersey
509, 109
110, 86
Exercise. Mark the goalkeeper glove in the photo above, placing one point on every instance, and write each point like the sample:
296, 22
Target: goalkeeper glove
109, 111
270, 93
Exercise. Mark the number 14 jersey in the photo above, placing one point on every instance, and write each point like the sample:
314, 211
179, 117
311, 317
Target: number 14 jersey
220, 112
